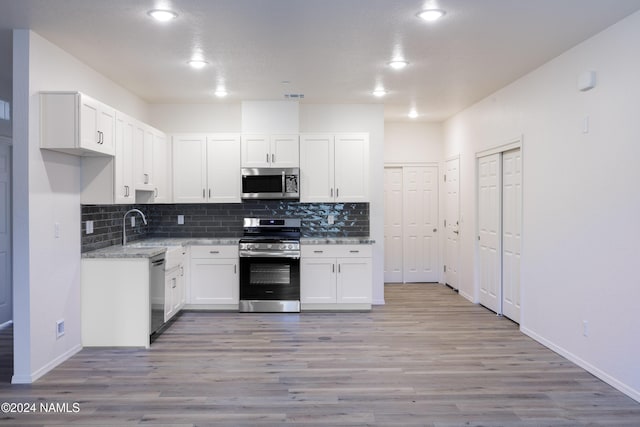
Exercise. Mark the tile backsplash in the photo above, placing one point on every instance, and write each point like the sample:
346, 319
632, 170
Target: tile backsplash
219, 220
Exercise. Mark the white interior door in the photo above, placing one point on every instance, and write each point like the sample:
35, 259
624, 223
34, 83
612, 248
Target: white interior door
489, 213
393, 225
6, 306
511, 232
420, 222
452, 221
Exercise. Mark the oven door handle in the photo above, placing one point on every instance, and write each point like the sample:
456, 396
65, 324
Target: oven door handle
271, 254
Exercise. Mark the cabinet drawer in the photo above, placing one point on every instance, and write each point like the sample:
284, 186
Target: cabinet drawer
223, 251
336, 251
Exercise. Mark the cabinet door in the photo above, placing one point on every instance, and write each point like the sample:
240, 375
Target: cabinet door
285, 151
352, 168
189, 168
255, 151
214, 281
107, 128
223, 169
161, 167
354, 280
318, 281
89, 119
316, 168
142, 157
124, 191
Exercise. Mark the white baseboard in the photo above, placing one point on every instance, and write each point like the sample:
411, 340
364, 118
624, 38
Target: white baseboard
613, 382
28, 379
466, 295
378, 301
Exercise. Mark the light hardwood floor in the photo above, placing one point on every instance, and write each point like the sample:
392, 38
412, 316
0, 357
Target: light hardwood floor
427, 358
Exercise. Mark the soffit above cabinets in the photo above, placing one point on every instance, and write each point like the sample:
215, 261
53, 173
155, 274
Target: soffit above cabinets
332, 51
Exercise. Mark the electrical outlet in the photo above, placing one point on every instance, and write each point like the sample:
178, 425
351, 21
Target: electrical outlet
585, 328
59, 328
89, 227
180, 219
56, 230
133, 221
331, 219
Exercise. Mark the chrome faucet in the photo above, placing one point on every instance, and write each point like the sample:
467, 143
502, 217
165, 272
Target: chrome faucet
124, 224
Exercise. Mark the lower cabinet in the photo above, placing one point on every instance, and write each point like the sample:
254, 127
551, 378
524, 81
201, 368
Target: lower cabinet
336, 277
174, 292
214, 277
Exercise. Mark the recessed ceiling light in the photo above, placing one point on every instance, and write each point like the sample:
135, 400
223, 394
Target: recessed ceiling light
413, 114
431, 14
162, 15
398, 64
379, 92
221, 92
197, 63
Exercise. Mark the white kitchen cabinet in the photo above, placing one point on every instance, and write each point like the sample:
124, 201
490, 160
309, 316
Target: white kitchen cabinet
214, 277
206, 168
334, 168
143, 158
265, 151
336, 277
109, 180
161, 168
74, 123
174, 292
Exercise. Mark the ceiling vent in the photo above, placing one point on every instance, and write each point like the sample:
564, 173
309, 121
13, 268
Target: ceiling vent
293, 95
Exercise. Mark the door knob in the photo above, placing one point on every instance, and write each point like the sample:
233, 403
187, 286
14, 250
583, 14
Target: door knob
435, 230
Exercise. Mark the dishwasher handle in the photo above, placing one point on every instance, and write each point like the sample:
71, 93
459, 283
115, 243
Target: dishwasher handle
157, 262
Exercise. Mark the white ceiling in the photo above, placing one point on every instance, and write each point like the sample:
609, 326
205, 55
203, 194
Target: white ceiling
332, 51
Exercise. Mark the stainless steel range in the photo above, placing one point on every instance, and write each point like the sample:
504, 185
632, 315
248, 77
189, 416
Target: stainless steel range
270, 265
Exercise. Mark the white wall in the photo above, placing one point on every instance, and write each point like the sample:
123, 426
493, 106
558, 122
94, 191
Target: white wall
359, 118
581, 202
47, 269
198, 118
406, 142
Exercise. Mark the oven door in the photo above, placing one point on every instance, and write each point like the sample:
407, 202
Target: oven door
269, 284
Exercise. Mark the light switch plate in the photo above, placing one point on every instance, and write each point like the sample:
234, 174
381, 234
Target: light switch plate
331, 219
89, 227
133, 221
180, 219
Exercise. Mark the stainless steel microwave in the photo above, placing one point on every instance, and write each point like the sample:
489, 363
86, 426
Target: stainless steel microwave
271, 183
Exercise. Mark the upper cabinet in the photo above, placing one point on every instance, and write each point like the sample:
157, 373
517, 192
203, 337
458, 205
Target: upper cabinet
334, 167
74, 123
265, 151
206, 168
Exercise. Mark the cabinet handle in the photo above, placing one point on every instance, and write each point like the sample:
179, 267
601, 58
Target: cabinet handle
209, 193
338, 268
203, 196
146, 178
333, 268
182, 271
214, 252
267, 157
156, 192
174, 283
126, 191
318, 252
273, 158
332, 192
337, 193
99, 141
235, 268
354, 252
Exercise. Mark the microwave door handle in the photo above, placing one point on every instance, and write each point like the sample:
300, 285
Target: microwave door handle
283, 187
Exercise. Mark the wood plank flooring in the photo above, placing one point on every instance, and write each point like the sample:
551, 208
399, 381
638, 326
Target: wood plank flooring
427, 358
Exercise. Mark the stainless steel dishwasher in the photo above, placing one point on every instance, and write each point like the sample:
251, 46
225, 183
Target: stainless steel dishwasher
156, 290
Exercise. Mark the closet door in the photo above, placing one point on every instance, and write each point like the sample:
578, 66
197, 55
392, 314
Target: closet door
393, 225
511, 232
420, 218
489, 221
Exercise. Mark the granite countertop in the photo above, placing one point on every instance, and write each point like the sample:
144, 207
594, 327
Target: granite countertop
148, 248
337, 241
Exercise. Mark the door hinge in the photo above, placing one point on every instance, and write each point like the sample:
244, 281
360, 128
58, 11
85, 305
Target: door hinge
445, 268
445, 177
445, 223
